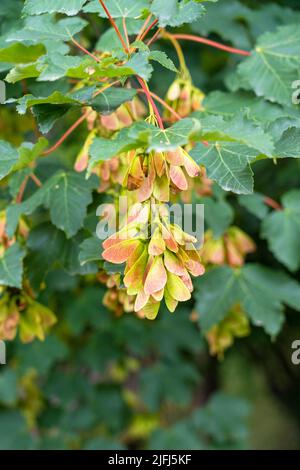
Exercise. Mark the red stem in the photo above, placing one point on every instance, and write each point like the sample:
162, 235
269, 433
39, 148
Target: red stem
125, 32
190, 37
113, 23
83, 49
143, 27
21, 190
150, 99
272, 203
161, 101
148, 29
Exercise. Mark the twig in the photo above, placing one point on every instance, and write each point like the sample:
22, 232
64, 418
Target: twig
161, 101
152, 105
208, 42
125, 32
36, 180
67, 133
148, 29
83, 49
113, 23
154, 37
138, 37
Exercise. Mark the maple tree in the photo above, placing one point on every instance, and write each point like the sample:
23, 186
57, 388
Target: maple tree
112, 86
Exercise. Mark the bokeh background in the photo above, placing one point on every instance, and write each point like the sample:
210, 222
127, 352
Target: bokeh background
101, 381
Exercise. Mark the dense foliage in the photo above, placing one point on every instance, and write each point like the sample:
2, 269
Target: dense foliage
160, 102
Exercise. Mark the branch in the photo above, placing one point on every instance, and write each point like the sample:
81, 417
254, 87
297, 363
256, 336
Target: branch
208, 42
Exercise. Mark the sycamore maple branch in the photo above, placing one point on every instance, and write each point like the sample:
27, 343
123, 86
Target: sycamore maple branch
78, 122
148, 29
138, 37
161, 101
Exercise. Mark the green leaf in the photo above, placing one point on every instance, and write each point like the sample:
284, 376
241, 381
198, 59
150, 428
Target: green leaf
11, 266
60, 253
29, 152
223, 418
54, 65
162, 58
260, 291
105, 102
274, 65
175, 13
66, 194
174, 381
56, 98
282, 231
230, 104
228, 163
40, 261
13, 431
68, 7
21, 72
47, 115
118, 8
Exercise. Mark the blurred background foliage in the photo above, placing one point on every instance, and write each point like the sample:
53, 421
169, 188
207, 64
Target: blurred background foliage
104, 382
